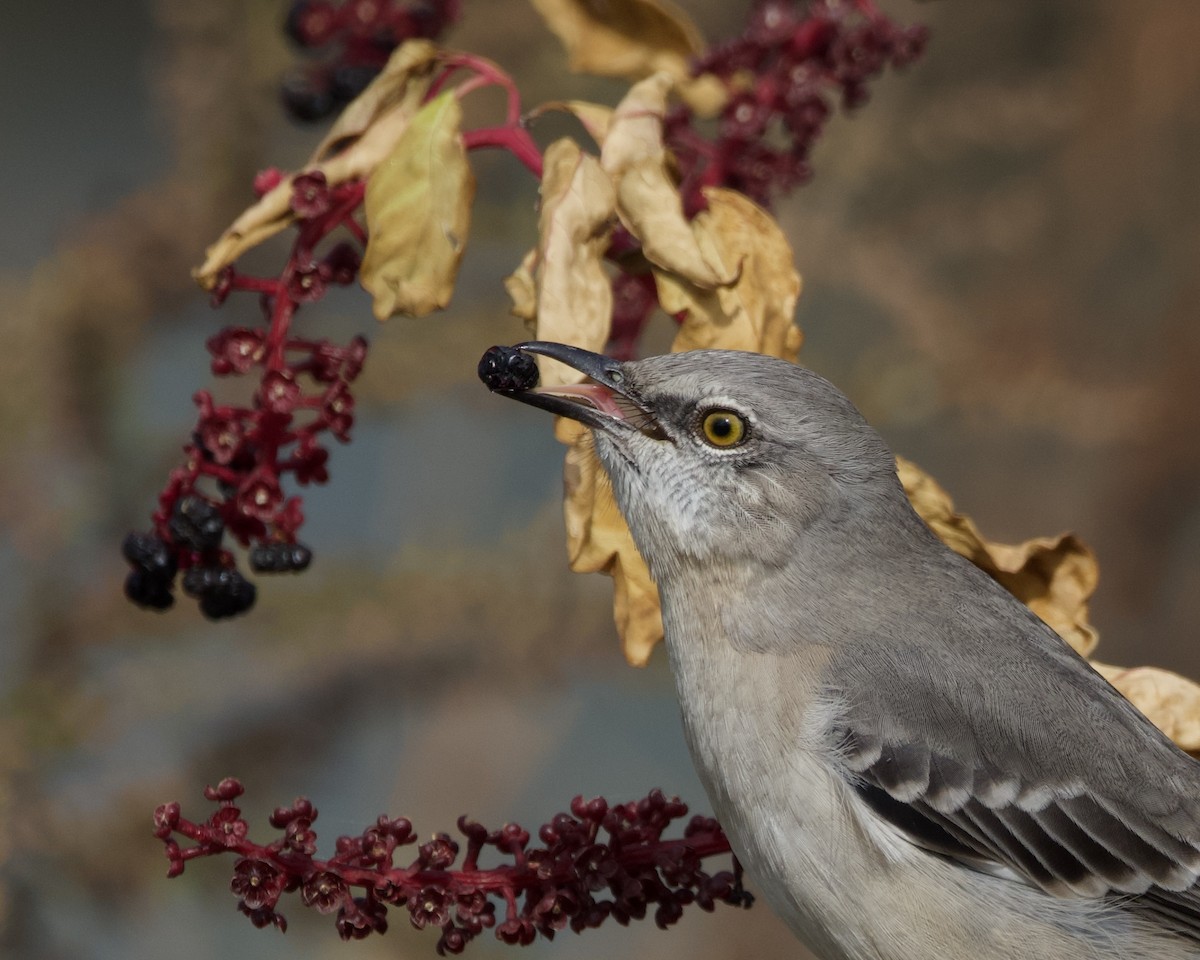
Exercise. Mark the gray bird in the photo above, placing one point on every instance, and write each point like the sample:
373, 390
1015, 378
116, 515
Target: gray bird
910, 763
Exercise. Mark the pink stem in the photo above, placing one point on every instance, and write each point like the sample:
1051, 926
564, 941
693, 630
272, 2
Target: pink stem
242, 281
511, 138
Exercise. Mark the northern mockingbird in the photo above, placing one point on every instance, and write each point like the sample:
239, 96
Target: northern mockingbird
911, 764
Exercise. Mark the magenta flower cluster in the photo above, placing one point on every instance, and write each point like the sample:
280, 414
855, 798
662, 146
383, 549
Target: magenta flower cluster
597, 862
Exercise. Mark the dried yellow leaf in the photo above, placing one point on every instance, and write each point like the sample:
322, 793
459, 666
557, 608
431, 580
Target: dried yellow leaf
359, 140
390, 89
522, 288
1169, 701
650, 208
560, 286
754, 313
635, 130
418, 206
574, 295
1054, 576
648, 201
599, 541
623, 38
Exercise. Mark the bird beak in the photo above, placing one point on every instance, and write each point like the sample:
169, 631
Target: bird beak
603, 403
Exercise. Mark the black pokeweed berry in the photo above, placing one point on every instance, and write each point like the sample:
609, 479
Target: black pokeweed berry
149, 589
151, 554
507, 370
228, 593
196, 523
280, 557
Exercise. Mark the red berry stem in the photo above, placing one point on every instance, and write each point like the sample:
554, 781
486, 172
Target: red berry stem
516, 140
596, 862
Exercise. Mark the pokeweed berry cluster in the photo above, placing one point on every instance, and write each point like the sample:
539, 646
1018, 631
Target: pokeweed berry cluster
360, 34
784, 73
791, 67
230, 485
598, 861
784, 76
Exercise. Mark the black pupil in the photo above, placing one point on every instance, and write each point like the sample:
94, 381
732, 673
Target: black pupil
722, 427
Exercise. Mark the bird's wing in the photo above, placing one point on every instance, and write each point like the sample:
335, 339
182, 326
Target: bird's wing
1025, 759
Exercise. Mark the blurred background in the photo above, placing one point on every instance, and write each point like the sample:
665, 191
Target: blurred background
1002, 268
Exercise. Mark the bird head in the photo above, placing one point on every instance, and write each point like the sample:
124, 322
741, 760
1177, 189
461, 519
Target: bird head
717, 456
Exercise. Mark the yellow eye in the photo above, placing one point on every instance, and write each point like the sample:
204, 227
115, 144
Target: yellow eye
723, 428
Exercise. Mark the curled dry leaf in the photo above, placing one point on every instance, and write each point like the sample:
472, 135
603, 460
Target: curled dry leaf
635, 130
623, 38
599, 541
564, 282
522, 288
356, 144
418, 206
1053, 576
754, 313
377, 103
1171, 702
650, 208
574, 295
648, 202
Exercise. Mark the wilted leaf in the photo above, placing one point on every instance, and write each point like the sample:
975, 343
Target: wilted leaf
271, 214
754, 313
1054, 576
418, 206
522, 288
574, 295
635, 130
599, 541
648, 201
650, 208
1171, 702
358, 141
623, 38
388, 90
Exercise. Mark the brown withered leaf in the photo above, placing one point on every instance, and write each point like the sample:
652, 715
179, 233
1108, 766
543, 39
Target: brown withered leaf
1053, 576
390, 89
358, 141
623, 38
648, 201
754, 313
599, 541
635, 129
418, 206
522, 288
574, 295
650, 208
1171, 702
